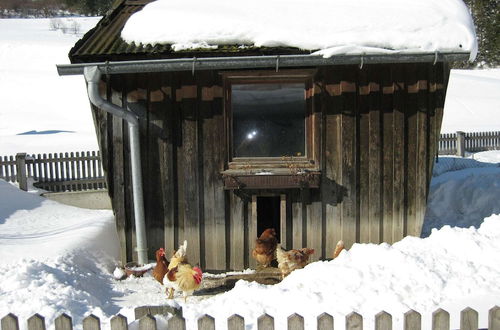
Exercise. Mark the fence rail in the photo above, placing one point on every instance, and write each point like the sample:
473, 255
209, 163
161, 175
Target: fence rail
383, 321
55, 172
460, 142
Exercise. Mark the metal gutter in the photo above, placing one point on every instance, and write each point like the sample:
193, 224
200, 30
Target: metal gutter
255, 62
93, 76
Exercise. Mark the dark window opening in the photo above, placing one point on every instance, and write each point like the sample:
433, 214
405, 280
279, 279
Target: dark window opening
268, 214
268, 119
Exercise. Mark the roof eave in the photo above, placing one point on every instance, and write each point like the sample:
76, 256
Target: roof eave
258, 62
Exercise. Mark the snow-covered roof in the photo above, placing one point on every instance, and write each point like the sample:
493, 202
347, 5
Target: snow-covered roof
328, 27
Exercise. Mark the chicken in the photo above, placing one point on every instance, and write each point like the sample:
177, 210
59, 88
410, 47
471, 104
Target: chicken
181, 276
288, 261
265, 247
185, 278
338, 248
161, 267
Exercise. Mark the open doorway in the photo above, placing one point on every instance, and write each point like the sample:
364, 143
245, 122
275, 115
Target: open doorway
268, 214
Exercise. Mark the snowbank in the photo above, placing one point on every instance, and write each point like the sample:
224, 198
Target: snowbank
55, 258
452, 269
463, 191
333, 27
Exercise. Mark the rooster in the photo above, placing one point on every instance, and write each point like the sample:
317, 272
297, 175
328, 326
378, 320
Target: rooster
288, 261
161, 267
181, 276
265, 247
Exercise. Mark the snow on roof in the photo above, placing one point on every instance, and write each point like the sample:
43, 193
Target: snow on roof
328, 27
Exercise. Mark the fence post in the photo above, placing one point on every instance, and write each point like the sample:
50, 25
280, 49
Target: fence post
494, 318
36, 322
461, 144
21, 171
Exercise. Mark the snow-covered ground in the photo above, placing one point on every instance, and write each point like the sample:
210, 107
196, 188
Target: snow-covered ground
57, 258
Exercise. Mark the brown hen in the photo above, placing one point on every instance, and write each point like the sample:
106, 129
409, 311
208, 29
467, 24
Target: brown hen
288, 261
265, 247
161, 267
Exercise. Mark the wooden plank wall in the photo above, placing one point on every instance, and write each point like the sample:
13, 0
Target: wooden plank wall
379, 126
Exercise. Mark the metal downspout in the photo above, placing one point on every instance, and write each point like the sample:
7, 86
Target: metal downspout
93, 76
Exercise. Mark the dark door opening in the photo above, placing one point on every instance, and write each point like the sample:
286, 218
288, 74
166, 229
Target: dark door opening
268, 214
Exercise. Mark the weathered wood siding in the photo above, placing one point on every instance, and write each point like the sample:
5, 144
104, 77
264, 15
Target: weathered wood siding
379, 126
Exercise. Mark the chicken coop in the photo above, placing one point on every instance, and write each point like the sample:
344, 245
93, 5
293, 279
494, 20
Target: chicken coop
236, 140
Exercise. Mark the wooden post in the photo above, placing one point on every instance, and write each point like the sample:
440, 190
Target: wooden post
147, 322
236, 322
119, 322
206, 322
461, 144
469, 319
63, 322
176, 323
36, 322
383, 321
295, 322
91, 322
494, 318
10, 322
265, 322
21, 171
440, 320
413, 320
354, 321
325, 322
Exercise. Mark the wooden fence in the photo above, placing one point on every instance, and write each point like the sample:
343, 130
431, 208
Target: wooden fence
383, 321
55, 172
460, 142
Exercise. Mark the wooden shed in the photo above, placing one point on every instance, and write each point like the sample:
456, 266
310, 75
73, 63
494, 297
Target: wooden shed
320, 149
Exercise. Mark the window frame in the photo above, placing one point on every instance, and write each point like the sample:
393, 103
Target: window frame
310, 160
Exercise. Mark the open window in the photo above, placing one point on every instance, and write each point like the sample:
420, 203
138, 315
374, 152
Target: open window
270, 124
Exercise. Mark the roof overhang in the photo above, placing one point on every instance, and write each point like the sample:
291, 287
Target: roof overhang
257, 62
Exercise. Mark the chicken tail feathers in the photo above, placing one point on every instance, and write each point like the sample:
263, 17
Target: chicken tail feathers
182, 251
338, 248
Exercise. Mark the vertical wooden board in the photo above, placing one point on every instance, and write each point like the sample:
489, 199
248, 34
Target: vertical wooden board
284, 224
237, 224
469, 319
431, 111
375, 155
117, 169
297, 225
399, 170
387, 149
210, 171
219, 158
210, 104
190, 171
154, 140
314, 225
10, 322
363, 107
440, 320
423, 152
350, 216
178, 152
332, 191
411, 148
167, 162
251, 231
